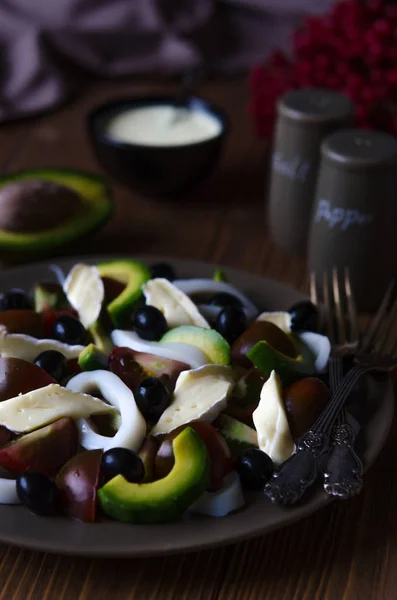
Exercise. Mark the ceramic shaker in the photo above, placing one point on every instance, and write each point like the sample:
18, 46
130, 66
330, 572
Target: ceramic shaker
305, 118
354, 222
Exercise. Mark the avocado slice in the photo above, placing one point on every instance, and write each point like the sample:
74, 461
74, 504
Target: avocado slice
92, 359
239, 437
267, 359
49, 295
132, 274
208, 341
100, 337
165, 499
219, 275
95, 208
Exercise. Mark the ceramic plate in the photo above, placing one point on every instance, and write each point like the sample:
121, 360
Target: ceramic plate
110, 538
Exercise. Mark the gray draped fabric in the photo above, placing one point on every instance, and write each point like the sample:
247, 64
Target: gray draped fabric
47, 47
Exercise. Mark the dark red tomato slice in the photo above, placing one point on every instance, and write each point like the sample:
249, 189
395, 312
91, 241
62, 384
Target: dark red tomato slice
5, 436
78, 482
18, 376
73, 367
23, 321
50, 316
221, 459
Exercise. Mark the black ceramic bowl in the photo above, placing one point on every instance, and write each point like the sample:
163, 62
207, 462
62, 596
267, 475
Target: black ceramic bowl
155, 170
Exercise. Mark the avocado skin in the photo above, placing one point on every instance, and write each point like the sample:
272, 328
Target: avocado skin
97, 202
164, 500
265, 358
133, 273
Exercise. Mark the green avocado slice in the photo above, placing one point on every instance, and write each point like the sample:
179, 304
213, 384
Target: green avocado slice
208, 341
92, 359
266, 359
168, 498
131, 273
96, 209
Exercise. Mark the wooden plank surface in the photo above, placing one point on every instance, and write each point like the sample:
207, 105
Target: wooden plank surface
347, 551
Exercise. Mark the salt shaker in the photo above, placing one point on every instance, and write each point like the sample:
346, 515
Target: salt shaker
305, 118
354, 222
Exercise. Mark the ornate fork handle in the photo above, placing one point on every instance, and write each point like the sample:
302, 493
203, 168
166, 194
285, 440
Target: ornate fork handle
299, 472
343, 475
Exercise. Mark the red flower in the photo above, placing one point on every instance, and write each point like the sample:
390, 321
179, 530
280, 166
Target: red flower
352, 49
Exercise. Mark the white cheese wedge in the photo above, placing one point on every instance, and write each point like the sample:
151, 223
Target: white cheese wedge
199, 394
132, 430
210, 286
85, 291
219, 504
35, 409
270, 420
279, 318
176, 306
19, 345
182, 352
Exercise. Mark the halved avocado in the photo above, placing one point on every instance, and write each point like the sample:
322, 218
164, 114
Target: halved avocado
90, 196
165, 499
267, 359
132, 274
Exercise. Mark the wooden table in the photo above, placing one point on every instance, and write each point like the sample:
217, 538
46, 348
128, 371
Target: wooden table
347, 551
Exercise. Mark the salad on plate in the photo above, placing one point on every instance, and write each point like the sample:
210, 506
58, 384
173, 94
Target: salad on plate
129, 393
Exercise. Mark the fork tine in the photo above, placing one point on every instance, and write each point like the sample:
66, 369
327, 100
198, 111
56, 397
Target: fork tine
374, 325
340, 316
328, 307
313, 289
389, 339
351, 308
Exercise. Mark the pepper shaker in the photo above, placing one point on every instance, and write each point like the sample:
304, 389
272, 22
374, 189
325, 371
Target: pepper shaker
354, 221
305, 118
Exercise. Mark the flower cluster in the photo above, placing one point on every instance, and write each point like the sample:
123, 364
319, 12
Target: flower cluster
351, 49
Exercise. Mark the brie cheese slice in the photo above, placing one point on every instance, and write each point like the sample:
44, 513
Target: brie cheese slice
199, 394
175, 305
45, 405
85, 291
271, 424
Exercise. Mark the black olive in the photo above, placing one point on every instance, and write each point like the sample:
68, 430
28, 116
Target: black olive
230, 323
163, 270
15, 299
149, 323
54, 363
304, 316
121, 461
38, 492
255, 468
69, 330
152, 398
223, 299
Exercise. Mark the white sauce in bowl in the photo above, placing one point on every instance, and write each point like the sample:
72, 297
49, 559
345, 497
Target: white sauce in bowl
162, 126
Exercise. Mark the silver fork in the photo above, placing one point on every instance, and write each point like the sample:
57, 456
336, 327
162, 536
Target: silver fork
344, 469
377, 353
